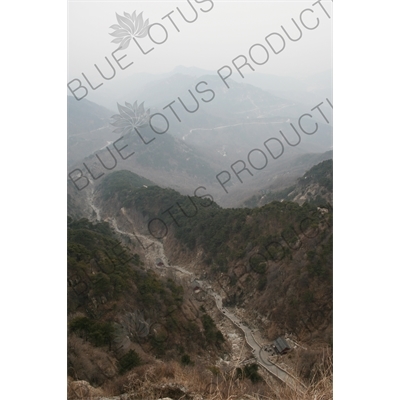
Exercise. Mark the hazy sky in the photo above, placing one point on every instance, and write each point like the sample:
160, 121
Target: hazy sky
228, 30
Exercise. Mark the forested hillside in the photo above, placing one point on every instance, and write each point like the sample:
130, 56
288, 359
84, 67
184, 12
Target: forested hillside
314, 187
128, 310
276, 259
122, 316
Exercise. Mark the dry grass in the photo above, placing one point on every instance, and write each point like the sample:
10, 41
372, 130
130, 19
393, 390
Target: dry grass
320, 387
197, 382
176, 381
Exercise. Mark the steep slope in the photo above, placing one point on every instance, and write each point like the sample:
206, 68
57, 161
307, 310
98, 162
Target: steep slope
258, 256
122, 314
129, 310
315, 187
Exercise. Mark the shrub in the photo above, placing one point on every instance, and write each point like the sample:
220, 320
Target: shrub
129, 361
185, 360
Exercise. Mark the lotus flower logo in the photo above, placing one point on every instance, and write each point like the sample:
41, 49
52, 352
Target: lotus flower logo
130, 116
130, 26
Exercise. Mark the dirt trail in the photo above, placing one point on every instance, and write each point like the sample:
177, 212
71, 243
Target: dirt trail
90, 199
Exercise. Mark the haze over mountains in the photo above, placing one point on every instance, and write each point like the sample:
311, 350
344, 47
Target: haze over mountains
223, 125
307, 91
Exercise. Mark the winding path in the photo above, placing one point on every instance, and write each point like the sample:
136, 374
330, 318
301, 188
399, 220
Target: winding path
257, 349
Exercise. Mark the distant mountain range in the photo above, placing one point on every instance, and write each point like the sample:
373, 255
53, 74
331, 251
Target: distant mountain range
307, 91
228, 125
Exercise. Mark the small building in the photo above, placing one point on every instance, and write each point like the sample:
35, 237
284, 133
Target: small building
281, 346
159, 263
195, 283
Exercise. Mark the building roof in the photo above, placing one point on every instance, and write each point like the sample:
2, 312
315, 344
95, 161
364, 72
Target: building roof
281, 344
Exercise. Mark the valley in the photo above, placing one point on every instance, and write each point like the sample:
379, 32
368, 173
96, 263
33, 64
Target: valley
121, 201
196, 248
155, 250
